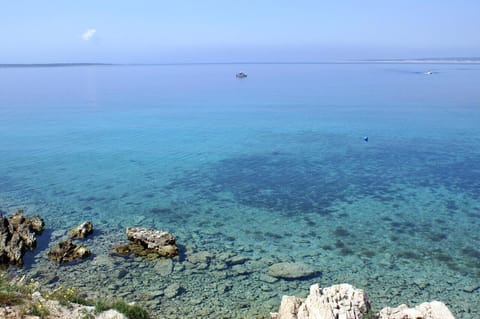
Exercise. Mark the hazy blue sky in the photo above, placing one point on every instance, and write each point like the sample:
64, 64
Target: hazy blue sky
241, 30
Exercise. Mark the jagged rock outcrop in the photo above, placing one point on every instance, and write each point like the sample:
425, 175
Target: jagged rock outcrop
345, 302
336, 302
148, 242
82, 230
426, 310
67, 251
17, 235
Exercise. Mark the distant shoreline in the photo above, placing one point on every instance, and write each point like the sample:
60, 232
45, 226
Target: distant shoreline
360, 61
425, 61
50, 65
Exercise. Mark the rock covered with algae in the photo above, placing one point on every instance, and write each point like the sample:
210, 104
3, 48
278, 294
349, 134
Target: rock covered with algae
148, 242
17, 235
67, 251
82, 230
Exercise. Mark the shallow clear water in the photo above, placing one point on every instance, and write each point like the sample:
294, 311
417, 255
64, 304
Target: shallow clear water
270, 168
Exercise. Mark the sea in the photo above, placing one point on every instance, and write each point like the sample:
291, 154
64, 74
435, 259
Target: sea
369, 173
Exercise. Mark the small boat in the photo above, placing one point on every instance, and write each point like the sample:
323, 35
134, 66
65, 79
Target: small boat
241, 75
428, 73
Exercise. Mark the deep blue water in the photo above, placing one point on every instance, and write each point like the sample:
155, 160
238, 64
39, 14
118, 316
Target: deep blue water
272, 167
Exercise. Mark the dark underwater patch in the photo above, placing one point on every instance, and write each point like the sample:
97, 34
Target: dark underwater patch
409, 254
162, 211
472, 253
341, 232
367, 253
436, 237
325, 169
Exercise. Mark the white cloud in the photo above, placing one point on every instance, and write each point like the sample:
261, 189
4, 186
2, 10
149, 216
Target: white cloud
87, 35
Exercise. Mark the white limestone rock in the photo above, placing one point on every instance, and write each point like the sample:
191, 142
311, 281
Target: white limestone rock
288, 308
111, 314
336, 302
426, 310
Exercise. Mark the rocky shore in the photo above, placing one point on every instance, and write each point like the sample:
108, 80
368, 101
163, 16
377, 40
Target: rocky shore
342, 301
53, 309
148, 248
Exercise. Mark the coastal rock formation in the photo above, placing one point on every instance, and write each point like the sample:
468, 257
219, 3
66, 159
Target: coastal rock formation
82, 230
346, 302
67, 251
148, 242
427, 310
17, 235
289, 270
336, 302
55, 310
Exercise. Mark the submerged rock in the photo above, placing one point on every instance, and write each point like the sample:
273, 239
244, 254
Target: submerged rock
122, 249
426, 310
67, 251
148, 243
17, 235
338, 301
82, 230
200, 257
173, 290
290, 270
164, 267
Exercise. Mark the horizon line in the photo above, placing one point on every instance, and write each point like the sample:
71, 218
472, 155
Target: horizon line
456, 60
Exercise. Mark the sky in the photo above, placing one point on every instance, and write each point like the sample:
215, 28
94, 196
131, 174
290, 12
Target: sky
157, 31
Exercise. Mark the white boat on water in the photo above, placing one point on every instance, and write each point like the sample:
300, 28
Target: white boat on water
428, 73
241, 75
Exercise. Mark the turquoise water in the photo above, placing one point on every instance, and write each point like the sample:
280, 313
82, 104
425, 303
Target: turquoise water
266, 169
